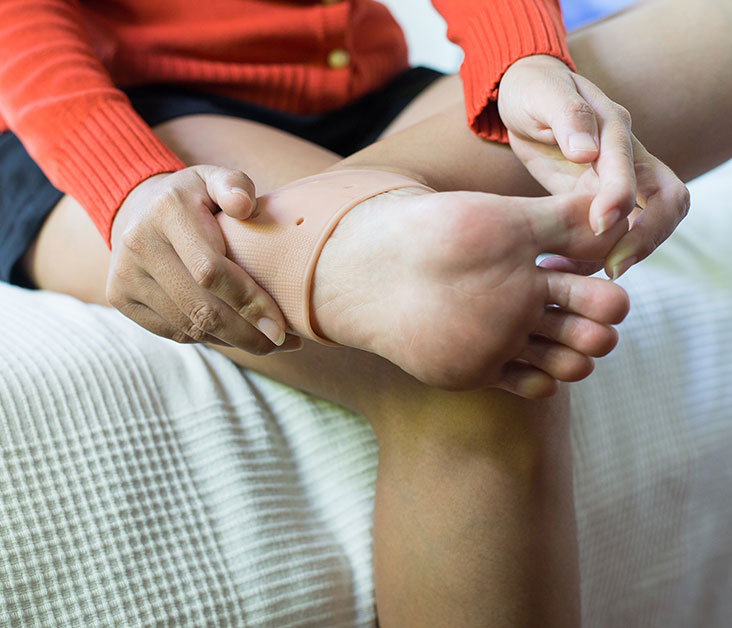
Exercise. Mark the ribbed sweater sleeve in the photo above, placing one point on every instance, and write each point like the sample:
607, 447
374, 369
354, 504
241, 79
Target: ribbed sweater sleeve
494, 34
58, 99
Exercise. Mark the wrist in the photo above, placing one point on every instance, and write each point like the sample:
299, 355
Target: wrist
125, 210
542, 61
525, 72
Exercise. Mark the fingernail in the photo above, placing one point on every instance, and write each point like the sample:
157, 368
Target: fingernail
272, 330
620, 268
293, 343
240, 191
608, 221
243, 193
582, 141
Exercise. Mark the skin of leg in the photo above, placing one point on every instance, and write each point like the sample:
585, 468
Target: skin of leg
641, 58
507, 456
405, 151
667, 62
655, 60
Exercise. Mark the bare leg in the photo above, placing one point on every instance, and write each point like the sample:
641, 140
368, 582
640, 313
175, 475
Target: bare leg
641, 58
666, 61
480, 455
507, 458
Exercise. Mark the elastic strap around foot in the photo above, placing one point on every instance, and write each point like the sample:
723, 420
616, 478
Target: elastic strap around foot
280, 245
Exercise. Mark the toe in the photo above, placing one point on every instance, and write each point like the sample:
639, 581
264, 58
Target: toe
560, 225
578, 333
527, 381
576, 267
593, 298
558, 361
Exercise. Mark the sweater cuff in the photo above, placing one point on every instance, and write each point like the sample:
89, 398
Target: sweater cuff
495, 39
105, 155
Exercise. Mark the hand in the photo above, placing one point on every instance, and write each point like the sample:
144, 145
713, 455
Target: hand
169, 272
573, 138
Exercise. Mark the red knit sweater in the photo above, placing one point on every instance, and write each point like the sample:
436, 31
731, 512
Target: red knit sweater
61, 59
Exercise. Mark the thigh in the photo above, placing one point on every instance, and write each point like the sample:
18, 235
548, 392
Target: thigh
68, 254
442, 94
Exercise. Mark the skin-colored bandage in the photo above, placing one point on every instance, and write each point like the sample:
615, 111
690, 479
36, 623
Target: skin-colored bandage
280, 245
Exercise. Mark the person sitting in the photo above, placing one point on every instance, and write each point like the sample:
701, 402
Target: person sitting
432, 267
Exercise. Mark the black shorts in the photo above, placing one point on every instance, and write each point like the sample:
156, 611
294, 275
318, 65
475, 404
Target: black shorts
27, 197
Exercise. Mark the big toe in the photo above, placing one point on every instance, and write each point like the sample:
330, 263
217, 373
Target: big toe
560, 225
577, 332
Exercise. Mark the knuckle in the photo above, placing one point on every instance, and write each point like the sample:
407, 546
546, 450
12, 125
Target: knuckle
168, 205
134, 240
205, 319
250, 307
194, 333
224, 176
685, 201
623, 115
205, 272
171, 198
576, 108
252, 311
115, 295
627, 198
649, 246
650, 243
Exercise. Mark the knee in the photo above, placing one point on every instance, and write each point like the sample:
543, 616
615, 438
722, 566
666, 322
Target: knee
487, 429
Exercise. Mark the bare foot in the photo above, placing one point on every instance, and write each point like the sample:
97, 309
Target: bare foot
445, 285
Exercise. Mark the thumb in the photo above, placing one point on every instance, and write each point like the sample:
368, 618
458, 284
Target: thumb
575, 128
232, 190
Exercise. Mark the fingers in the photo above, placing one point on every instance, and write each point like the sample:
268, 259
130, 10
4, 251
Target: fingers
666, 203
157, 313
200, 246
216, 296
169, 271
149, 319
231, 190
574, 125
537, 98
205, 272
615, 164
558, 222
155, 323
